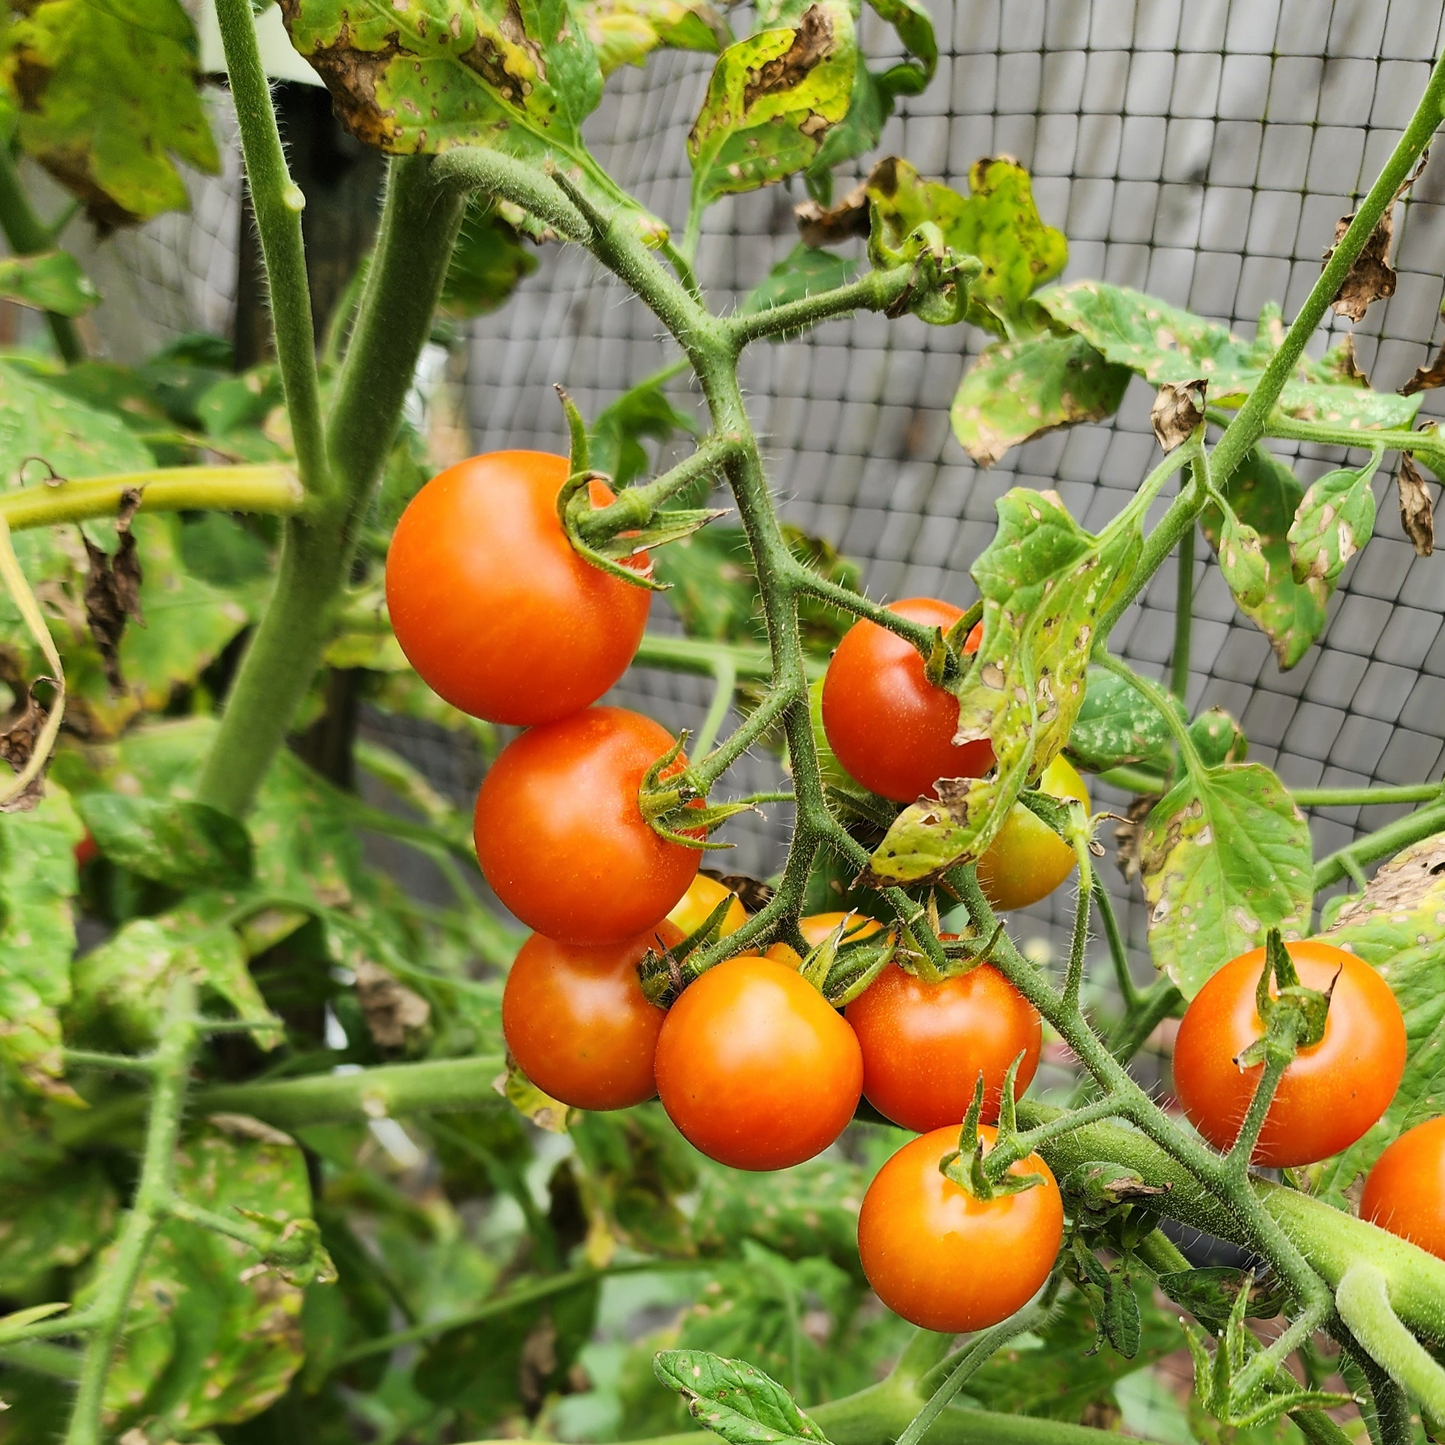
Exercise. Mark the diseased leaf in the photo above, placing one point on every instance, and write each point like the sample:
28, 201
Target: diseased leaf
1417, 513
112, 589
1427, 377
1163, 343
734, 1400
771, 101
37, 939
1217, 738
107, 100
1044, 582
1264, 495
1333, 521
517, 75
212, 1338
181, 843
54, 1217
803, 272
1018, 390
1398, 926
997, 222
1177, 410
1226, 857
49, 281
121, 985
1370, 277
1116, 725
626, 32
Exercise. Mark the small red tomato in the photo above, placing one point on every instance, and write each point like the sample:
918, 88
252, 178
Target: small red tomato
1330, 1094
949, 1262
755, 1067
87, 850
560, 835
1405, 1191
925, 1044
494, 607
889, 727
577, 1022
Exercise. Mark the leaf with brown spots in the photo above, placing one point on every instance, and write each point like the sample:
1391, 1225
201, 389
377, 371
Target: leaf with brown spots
1417, 513
733, 1399
1371, 278
771, 101
1398, 926
395, 1014
845, 220
1177, 410
1333, 522
1225, 857
1045, 582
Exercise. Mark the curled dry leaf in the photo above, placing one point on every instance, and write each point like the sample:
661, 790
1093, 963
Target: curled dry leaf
1427, 378
753, 893
1129, 836
112, 588
394, 1013
1371, 278
1417, 515
1177, 410
821, 226
17, 745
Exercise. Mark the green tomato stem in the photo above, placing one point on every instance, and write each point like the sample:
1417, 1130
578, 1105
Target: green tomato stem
1382, 843
1363, 1299
1183, 618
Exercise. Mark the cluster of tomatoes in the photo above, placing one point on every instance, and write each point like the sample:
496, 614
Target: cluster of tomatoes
504, 619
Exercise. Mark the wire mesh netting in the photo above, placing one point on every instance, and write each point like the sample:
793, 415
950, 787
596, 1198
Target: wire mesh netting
1201, 152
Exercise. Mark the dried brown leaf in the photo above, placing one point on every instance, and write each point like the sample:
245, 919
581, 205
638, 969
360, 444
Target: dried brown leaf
1129, 837
1177, 410
753, 892
112, 589
1371, 278
394, 1013
17, 746
1426, 378
821, 226
1417, 515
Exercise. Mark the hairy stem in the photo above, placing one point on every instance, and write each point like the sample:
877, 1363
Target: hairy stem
1363, 1300
277, 202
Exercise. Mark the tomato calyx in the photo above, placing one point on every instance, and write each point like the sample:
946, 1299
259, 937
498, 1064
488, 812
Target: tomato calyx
946, 663
663, 972
983, 1172
1293, 1016
841, 967
669, 798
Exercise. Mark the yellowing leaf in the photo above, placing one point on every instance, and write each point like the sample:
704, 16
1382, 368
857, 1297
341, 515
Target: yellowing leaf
626, 32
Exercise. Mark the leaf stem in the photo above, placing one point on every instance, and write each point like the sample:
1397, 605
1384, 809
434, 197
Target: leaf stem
1380, 844
27, 234
1183, 618
166, 489
277, 202
1363, 1300
725, 681
873, 291
1366, 797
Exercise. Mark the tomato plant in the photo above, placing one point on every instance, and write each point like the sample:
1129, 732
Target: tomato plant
561, 839
1331, 1092
493, 606
305, 1141
923, 1238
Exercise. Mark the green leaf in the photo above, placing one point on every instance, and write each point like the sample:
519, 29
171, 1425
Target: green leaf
120, 987
50, 281
488, 262
1332, 522
732, 1399
1016, 391
520, 76
1226, 857
54, 1216
997, 222
626, 32
1398, 926
76, 440
37, 939
1217, 738
615, 438
1163, 343
1264, 496
635, 1168
771, 101
211, 1339
1044, 582
1210, 1294
181, 843
804, 271
107, 100
1117, 725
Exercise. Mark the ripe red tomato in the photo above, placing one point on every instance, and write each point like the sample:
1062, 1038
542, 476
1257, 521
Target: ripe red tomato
87, 850
925, 1044
755, 1067
817, 926
889, 727
577, 1022
1405, 1191
945, 1260
702, 896
561, 838
494, 607
1332, 1091
1027, 860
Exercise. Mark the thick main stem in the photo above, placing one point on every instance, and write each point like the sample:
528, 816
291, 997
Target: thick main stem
419, 225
